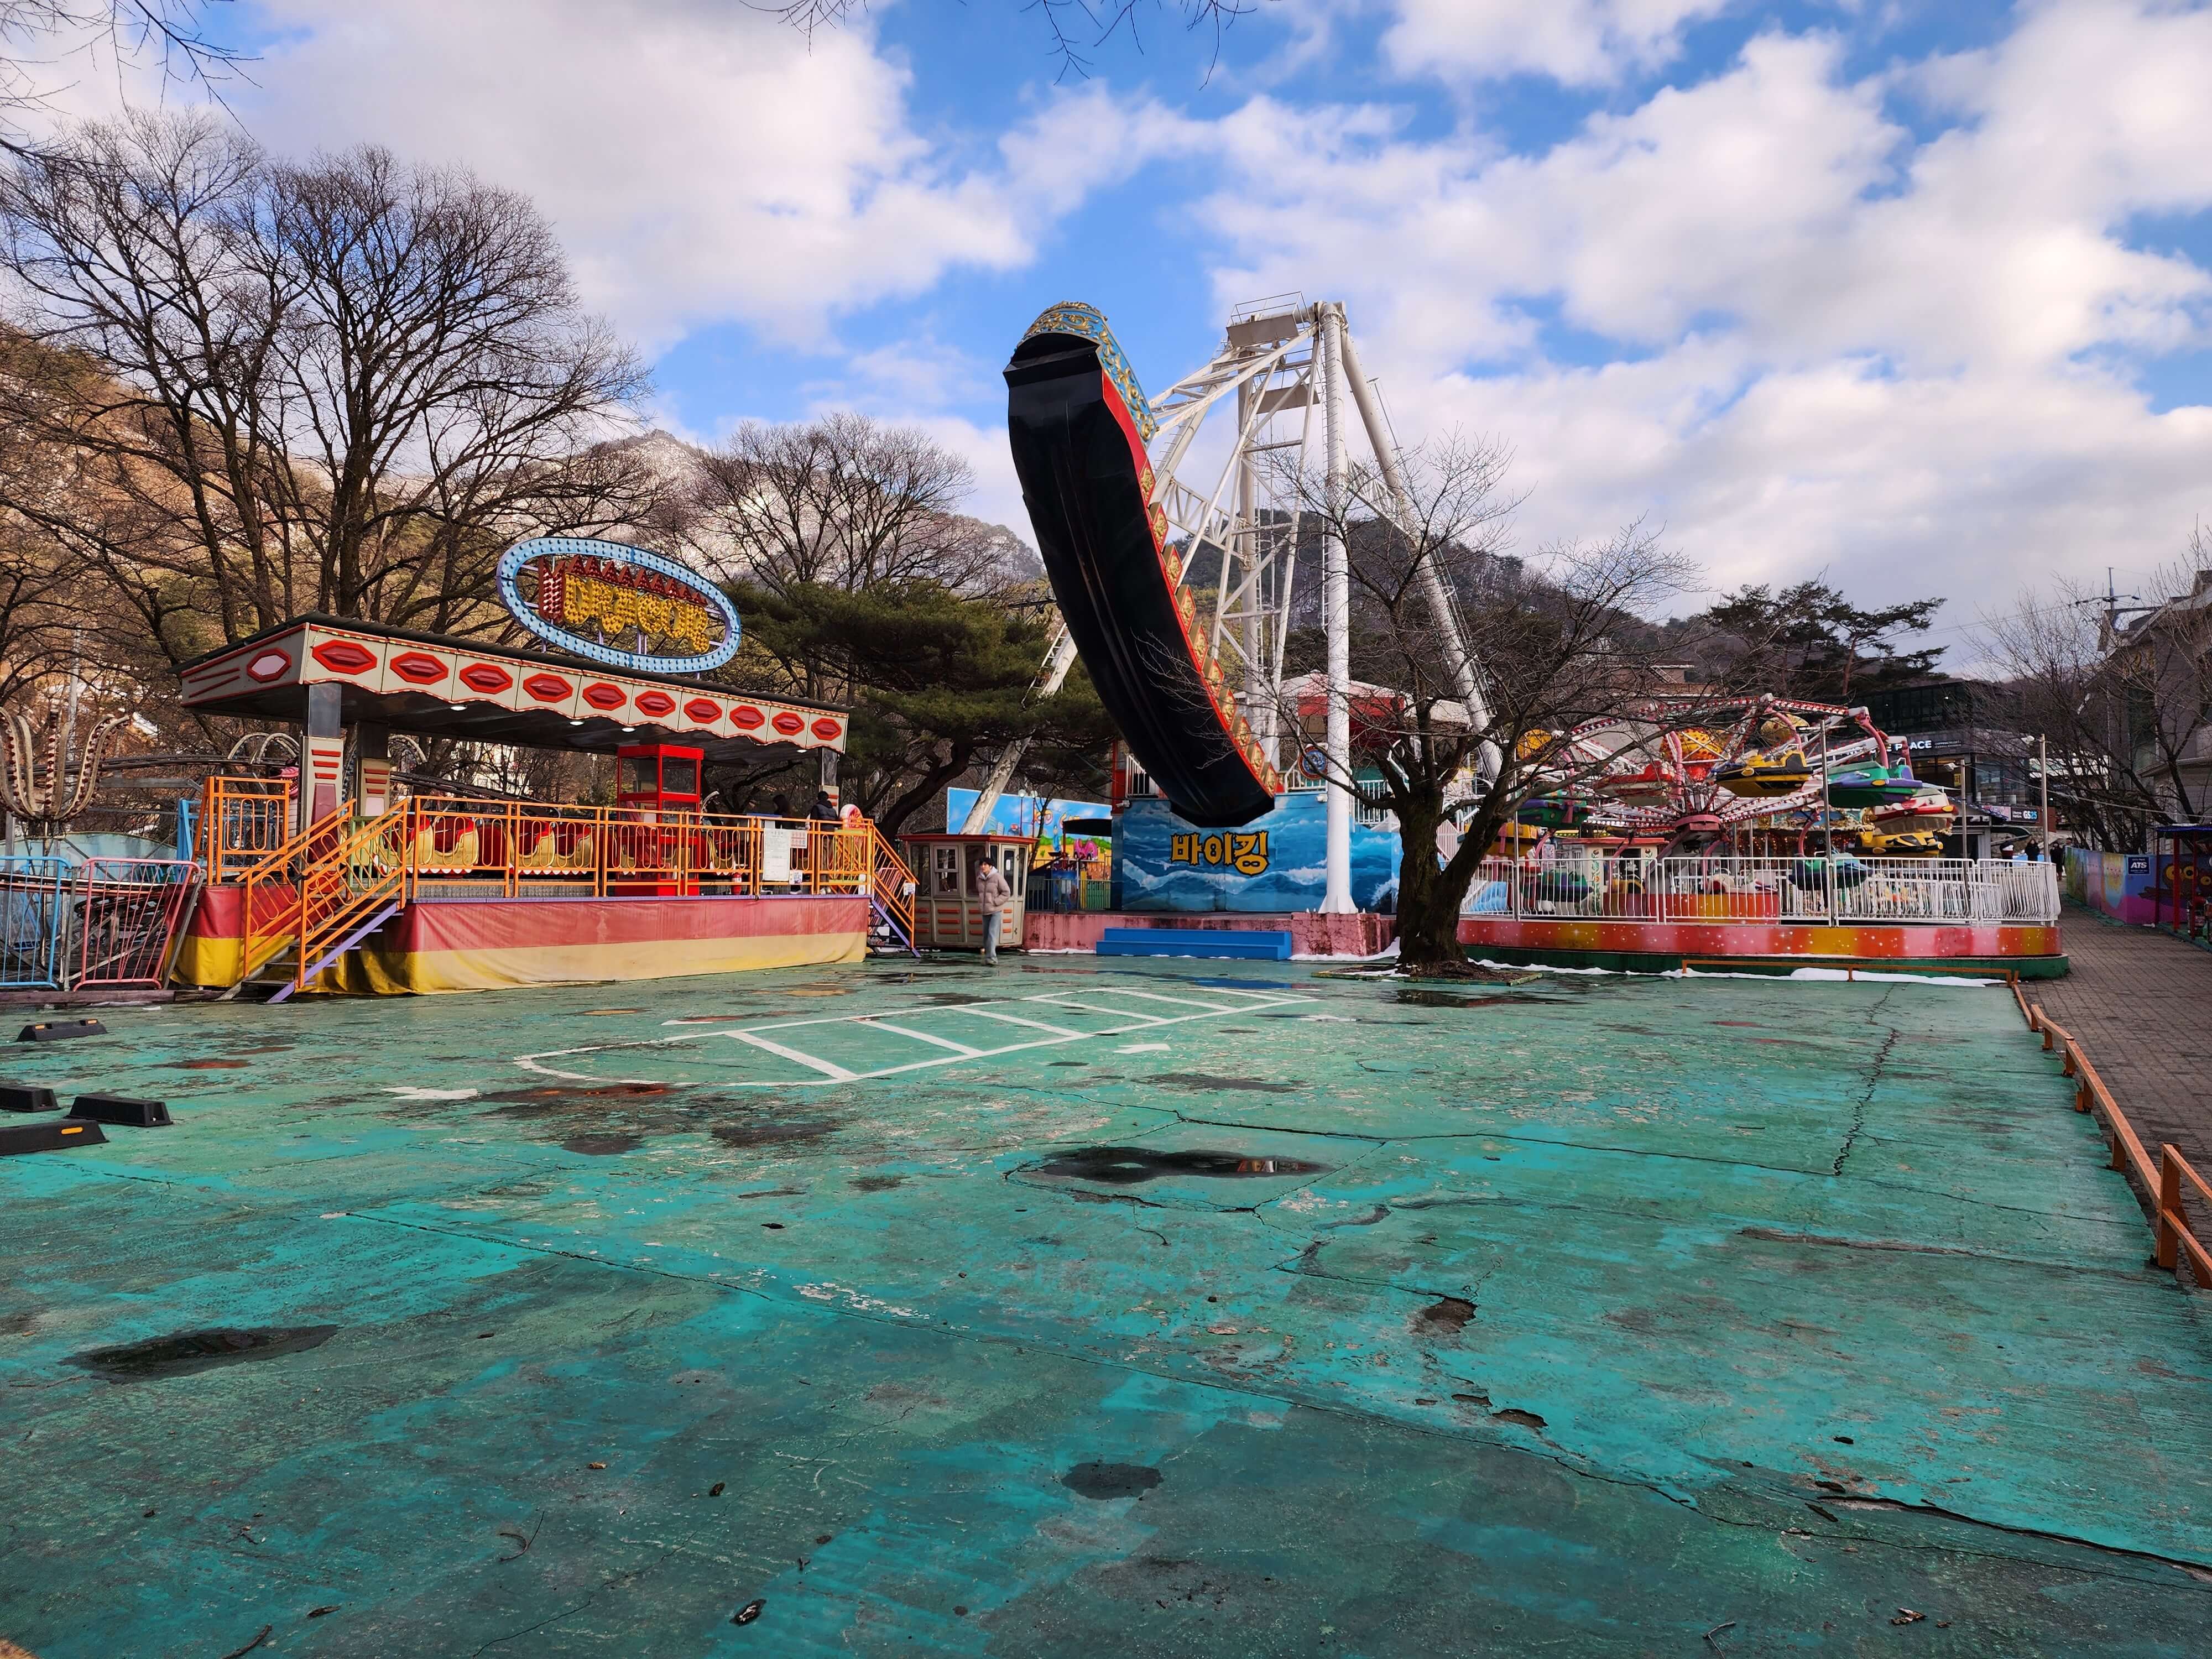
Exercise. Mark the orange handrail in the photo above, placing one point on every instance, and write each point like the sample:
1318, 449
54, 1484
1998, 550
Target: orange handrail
352, 878
2159, 1180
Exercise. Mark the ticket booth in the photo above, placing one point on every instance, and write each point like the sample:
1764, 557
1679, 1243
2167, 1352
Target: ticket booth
947, 914
654, 783
653, 778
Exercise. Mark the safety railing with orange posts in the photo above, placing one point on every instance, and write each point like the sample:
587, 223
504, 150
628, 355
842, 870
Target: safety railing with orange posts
2160, 1182
309, 890
242, 821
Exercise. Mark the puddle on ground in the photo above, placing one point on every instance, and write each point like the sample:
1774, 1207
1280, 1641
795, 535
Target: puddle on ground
771, 1133
187, 1351
1419, 996
600, 1146
1132, 1166
1206, 1080
1102, 1482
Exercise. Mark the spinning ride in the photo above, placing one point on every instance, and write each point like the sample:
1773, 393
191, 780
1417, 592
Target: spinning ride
1651, 775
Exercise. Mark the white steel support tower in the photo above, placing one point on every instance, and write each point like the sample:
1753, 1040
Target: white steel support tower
1235, 493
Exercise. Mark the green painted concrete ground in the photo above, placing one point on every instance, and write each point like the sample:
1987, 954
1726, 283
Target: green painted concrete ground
1165, 1309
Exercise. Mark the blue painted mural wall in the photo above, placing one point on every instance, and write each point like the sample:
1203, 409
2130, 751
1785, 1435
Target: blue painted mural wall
1273, 863
1021, 815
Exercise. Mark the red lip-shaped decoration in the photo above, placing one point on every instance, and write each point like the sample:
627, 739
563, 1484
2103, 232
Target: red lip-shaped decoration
547, 688
267, 667
700, 709
789, 723
746, 718
418, 668
600, 694
344, 656
655, 703
826, 729
483, 677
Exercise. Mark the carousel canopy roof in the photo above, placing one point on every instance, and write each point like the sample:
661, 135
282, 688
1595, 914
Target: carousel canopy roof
435, 685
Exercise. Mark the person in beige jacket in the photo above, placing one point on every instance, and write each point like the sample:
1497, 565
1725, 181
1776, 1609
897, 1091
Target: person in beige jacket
992, 893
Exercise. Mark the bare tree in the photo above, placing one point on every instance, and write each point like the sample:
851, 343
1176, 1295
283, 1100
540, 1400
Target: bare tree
40, 38
343, 386
2125, 707
845, 502
1072, 28
1555, 641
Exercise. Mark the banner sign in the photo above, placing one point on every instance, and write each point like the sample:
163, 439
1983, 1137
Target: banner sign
585, 597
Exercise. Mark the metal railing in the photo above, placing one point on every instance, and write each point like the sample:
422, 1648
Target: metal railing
66, 922
306, 892
1629, 887
33, 913
124, 916
2161, 1184
456, 848
242, 822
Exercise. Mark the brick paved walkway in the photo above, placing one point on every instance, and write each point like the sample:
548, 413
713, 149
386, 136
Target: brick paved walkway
2140, 1003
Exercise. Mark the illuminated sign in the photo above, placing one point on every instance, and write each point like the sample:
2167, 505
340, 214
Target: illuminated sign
586, 596
1244, 853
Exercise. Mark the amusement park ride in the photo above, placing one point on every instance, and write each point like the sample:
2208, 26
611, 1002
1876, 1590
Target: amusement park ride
1128, 501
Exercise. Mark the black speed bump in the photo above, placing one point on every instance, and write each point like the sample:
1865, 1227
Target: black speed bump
25, 1098
52, 1135
54, 1030
122, 1109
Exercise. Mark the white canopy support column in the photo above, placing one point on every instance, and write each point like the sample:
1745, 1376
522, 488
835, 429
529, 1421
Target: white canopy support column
1458, 663
1336, 611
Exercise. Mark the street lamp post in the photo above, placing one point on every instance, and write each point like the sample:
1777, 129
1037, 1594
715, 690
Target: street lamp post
2043, 783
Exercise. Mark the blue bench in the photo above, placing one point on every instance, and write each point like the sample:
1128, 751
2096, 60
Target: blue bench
1254, 943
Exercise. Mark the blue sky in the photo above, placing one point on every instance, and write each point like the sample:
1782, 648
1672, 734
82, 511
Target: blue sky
1914, 292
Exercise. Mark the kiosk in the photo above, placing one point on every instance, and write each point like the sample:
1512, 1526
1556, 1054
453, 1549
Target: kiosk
948, 916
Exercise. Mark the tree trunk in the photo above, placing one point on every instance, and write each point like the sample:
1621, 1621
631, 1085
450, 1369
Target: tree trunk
1428, 904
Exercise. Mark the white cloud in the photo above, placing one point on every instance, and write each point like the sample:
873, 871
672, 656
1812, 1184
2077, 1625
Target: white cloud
703, 161
1577, 42
1905, 359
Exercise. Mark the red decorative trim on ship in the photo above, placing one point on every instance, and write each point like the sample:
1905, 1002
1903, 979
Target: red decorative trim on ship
547, 688
746, 718
418, 667
826, 729
483, 677
789, 723
706, 713
655, 703
600, 694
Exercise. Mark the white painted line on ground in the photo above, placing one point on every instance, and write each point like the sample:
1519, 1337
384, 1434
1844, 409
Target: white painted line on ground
874, 1024
1126, 1022
1179, 1002
1109, 1014
1016, 1020
835, 1074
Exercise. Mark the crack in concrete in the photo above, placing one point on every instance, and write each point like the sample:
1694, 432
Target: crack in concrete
1550, 1452
1873, 1081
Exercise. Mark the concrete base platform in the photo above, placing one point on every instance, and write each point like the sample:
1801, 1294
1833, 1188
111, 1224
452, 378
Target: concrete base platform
1167, 1309
1312, 934
477, 944
1652, 947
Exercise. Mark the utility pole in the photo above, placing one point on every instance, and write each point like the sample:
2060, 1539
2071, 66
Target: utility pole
2042, 782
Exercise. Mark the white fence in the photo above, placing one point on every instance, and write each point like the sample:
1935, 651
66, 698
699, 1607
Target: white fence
1634, 887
